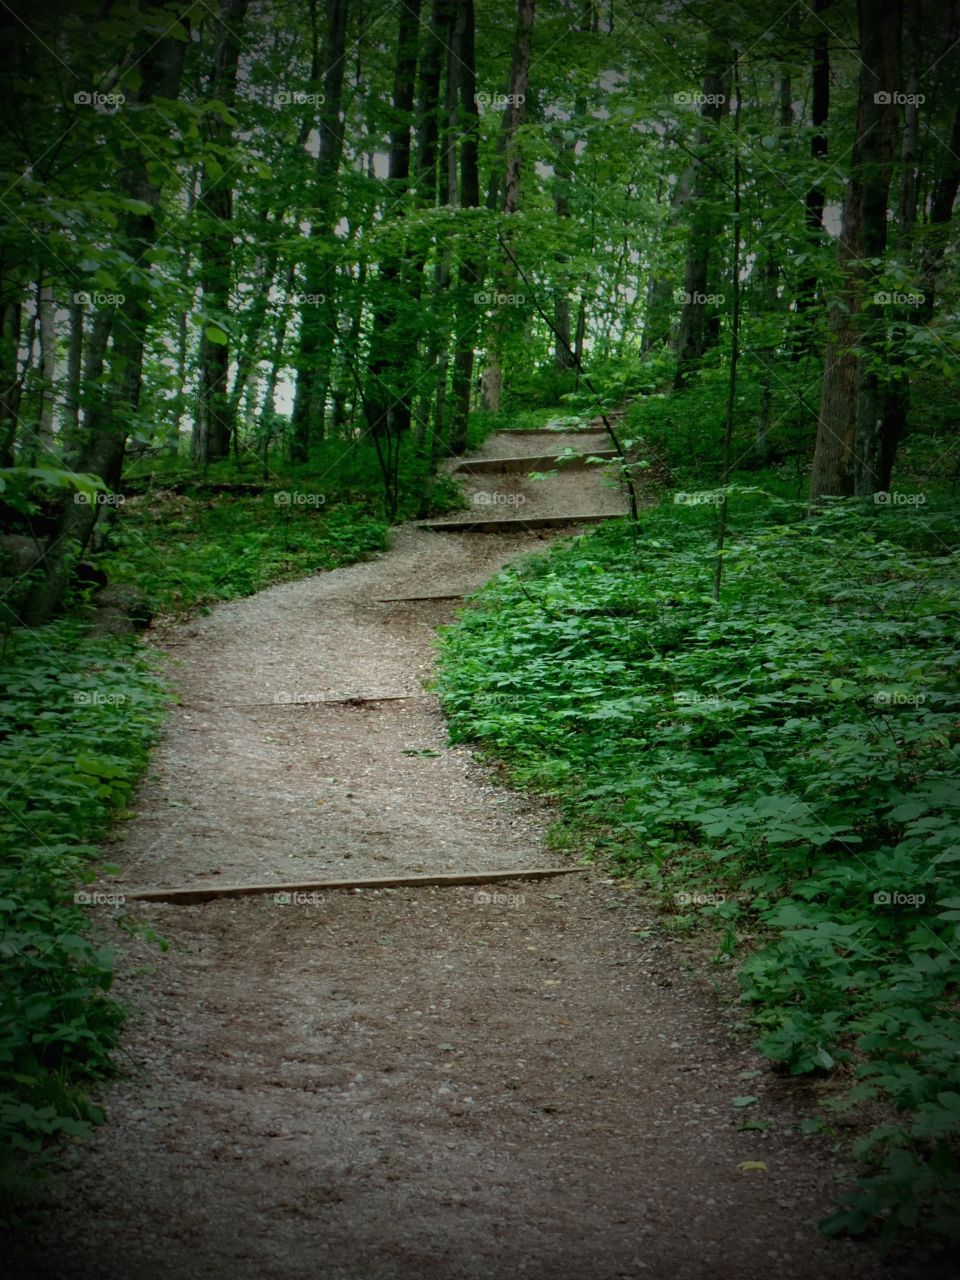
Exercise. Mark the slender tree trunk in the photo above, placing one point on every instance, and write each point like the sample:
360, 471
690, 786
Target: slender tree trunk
48, 368
104, 436
386, 402
816, 195
894, 394
470, 271
660, 307
694, 330
9, 380
492, 381
318, 319
70, 423
211, 436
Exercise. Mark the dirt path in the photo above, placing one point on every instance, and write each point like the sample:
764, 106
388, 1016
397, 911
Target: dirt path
444, 1083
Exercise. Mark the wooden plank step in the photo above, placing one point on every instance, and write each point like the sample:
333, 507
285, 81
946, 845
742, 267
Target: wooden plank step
514, 524
540, 462
193, 894
550, 431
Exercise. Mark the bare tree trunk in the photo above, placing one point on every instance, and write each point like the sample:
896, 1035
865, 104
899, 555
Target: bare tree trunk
9, 380
816, 195
845, 395
70, 423
104, 435
318, 320
48, 367
470, 272
692, 337
387, 407
211, 435
492, 380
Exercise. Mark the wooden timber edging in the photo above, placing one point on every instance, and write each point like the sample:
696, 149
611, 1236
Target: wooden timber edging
494, 466
195, 894
517, 524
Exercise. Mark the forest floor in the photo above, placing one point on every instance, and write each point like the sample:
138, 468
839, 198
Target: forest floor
418, 1082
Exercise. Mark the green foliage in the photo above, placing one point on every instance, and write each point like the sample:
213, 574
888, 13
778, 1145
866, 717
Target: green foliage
187, 551
77, 716
782, 766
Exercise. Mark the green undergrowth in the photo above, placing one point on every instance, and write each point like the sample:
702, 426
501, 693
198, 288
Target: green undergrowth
77, 718
780, 768
188, 551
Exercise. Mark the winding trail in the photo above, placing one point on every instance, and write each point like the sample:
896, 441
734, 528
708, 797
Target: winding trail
408, 1083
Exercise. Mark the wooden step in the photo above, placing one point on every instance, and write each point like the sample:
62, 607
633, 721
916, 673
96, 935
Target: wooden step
514, 524
550, 431
191, 895
538, 462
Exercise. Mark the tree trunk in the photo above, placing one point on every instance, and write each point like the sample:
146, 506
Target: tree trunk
318, 320
815, 196
848, 399
492, 381
211, 435
48, 368
70, 425
694, 330
386, 402
470, 272
104, 435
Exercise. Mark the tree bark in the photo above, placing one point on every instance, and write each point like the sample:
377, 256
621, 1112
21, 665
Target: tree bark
492, 380
692, 336
212, 429
318, 320
386, 402
104, 434
470, 271
846, 454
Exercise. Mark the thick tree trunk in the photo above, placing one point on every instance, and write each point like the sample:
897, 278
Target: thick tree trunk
847, 447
